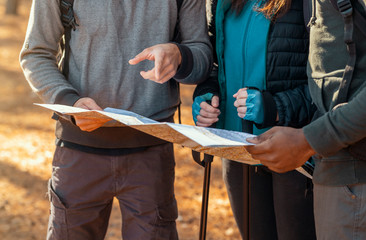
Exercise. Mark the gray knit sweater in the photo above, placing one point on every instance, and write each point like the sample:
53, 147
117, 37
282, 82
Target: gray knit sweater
110, 33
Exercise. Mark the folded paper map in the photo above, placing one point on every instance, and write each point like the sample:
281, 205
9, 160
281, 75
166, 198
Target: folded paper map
217, 142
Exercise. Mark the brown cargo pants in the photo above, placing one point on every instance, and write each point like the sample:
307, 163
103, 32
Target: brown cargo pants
83, 185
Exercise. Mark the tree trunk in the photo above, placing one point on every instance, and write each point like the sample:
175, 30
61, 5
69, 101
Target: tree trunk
11, 6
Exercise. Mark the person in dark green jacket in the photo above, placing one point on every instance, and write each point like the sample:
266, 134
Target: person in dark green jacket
339, 129
261, 80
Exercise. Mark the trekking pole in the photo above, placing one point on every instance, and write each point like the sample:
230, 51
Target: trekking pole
246, 127
246, 202
206, 163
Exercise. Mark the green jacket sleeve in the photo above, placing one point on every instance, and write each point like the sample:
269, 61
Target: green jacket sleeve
340, 127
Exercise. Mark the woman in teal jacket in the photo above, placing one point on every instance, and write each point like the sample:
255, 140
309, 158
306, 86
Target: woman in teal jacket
262, 49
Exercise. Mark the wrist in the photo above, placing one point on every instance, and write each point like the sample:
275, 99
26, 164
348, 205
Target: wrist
185, 61
177, 53
308, 150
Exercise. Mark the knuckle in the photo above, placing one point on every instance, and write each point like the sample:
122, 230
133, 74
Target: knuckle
272, 159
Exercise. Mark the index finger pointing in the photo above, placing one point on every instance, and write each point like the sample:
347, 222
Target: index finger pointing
144, 55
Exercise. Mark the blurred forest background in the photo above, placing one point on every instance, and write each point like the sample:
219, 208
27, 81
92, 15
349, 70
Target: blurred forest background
27, 145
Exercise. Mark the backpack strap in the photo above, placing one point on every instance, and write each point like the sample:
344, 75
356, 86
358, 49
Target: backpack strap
178, 38
346, 10
67, 14
69, 22
360, 20
306, 8
352, 17
358, 17
177, 35
179, 4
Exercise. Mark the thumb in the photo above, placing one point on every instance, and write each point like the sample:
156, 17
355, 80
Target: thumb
254, 140
92, 105
258, 139
215, 101
263, 137
89, 103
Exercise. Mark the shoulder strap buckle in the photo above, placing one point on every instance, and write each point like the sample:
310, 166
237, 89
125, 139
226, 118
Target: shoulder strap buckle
345, 8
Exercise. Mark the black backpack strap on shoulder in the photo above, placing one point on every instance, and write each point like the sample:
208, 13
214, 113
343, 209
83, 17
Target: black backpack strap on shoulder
358, 18
346, 10
69, 22
307, 13
177, 37
360, 21
67, 14
351, 16
179, 4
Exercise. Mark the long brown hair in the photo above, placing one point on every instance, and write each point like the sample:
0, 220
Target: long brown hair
272, 9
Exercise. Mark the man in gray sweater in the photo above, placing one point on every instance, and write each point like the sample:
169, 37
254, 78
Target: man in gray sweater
106, 68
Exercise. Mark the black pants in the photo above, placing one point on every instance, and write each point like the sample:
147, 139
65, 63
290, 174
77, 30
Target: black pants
280, 205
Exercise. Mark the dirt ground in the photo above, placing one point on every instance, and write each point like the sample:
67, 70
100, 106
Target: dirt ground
27, 144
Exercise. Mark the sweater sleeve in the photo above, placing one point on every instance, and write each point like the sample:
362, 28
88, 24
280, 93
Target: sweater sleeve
195, 45
38, 55
340, 127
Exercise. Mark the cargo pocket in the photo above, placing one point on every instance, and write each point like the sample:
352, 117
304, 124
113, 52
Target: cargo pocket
165, 227
57, 227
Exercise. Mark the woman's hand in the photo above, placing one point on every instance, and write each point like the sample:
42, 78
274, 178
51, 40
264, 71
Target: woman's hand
205, 114
249, 104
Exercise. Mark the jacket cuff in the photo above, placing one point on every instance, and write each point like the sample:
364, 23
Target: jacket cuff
210, 85
203, 91
67, 97
281, 110
186, 66
270, 111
